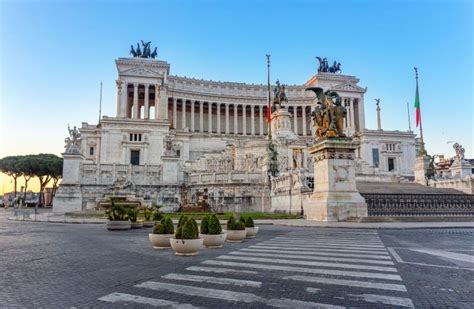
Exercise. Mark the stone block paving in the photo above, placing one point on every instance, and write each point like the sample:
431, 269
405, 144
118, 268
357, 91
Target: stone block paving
84, 266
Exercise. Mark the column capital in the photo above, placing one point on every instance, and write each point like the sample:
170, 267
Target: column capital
135, 85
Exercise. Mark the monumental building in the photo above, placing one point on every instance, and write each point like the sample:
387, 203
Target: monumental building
177, 141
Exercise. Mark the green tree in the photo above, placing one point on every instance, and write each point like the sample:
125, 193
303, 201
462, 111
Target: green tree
8, 165
45, 166
25, 166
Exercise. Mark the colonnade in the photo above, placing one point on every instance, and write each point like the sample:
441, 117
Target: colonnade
230, 118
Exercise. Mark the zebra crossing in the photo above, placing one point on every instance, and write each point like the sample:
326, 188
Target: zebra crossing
302, 269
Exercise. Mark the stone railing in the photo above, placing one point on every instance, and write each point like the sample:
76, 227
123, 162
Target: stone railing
106, 174
301, 180
419, 204
226, 177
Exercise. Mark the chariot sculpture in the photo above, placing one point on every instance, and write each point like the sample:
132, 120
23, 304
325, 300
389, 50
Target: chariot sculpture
325, 68
329, 114
144, 52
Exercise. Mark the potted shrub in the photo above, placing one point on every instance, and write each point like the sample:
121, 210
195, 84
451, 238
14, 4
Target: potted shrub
235, 230
162, 233
211, 232
186, 240
133, 216
148, 214
117, 217
250, 227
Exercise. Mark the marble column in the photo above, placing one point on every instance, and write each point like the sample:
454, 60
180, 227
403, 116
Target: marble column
227, 120
361, 114
175, 113
124, 100
236, 124
252, 119
119, 97
244, 119
183, 113
218, 113
260, 116
192, 116
157, 101
147, 101
209, 120
352, 110
295, 119
135, 101
305, 132
201, 116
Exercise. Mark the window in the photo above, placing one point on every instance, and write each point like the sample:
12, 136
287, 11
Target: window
391, 164
375, 157
135, 157
91, 151
135, 137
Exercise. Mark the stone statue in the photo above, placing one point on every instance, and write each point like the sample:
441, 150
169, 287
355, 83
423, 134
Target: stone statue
459, 152
279, 96
329, 114
273, 159
73, 141
325, 68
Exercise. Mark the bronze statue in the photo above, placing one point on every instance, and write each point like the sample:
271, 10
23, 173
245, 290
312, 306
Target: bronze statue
325, 68
144, 51
153, 54
132, 51
329, 114
279, 96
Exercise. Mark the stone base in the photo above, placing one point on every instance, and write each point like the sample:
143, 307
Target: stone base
335, 206
68, 198
422, 164
335, 196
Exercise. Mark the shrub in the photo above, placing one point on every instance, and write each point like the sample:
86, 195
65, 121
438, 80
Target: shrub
182, 220
164, 227
117, 212
239, 225
205, 224
249, 222
148, 213
230, 222
215, 227
133, 214
188, 231
242, 219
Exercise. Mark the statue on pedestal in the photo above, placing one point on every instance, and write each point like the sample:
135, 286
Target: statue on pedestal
73, 141
459, 152
329, 114
279, 96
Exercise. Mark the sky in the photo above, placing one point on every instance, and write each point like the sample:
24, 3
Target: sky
54, 54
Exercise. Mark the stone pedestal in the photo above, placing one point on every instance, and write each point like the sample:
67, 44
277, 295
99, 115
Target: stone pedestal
335, 196
460, 169
281, 125
422, 164
170, 169
69, 195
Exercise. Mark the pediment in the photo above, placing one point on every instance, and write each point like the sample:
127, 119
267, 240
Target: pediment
140, 71
350, 87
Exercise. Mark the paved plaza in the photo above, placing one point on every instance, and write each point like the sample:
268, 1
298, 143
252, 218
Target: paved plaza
47, 265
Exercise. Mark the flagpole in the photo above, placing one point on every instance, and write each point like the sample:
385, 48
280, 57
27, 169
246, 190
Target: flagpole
409, 122
419, 111
268, 98
100, 102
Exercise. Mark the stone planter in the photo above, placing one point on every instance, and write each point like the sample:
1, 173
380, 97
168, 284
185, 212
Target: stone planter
186, 247
214, 241
160, 241
236, 235
137, 225
251, 232
148, 223
118, 225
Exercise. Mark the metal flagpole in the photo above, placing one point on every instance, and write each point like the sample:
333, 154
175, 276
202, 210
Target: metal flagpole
419, 111
100, 102
268, 99
409, 123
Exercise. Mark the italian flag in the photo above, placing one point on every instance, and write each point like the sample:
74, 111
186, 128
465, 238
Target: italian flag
417, 107
268, 109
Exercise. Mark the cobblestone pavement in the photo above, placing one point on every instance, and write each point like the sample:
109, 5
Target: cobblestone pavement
45, 265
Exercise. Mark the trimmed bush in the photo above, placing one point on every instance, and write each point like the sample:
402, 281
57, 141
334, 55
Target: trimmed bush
230, 222
242, 219
156, 215
188, 231
249, 222
164, 227
215, 227
148, 213
239, 225
205, 224
182, 220
235, 225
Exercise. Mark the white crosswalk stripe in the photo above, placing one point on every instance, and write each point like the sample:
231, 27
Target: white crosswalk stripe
224, 281
314, 252
356, 261
318, 258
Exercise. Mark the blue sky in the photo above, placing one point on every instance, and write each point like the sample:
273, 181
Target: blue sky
55, 53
